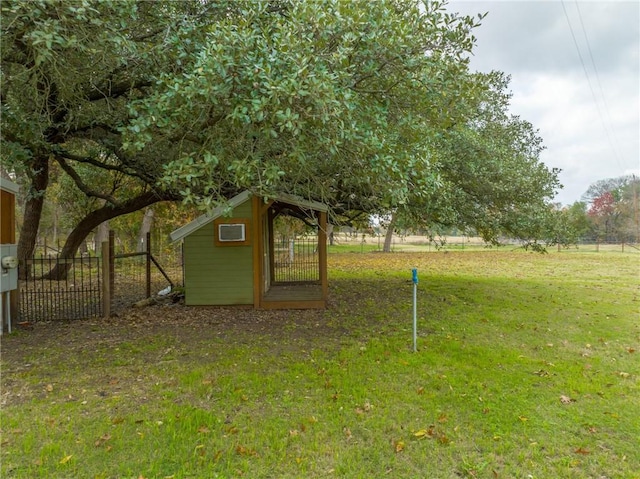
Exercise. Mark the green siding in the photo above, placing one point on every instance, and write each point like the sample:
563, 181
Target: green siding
215, 275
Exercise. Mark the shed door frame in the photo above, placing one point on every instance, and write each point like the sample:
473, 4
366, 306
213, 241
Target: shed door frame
263, 254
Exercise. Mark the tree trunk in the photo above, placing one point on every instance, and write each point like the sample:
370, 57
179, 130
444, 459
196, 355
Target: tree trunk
33, 212
54, 238
330, 235
389, 236
147, 223
93, 220
102, 234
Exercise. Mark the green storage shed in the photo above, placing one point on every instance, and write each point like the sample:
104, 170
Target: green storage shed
233, 256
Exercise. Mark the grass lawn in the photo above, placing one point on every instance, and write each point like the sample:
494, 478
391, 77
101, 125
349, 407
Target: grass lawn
528, 367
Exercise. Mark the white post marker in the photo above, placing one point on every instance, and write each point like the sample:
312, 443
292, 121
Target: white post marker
414, 274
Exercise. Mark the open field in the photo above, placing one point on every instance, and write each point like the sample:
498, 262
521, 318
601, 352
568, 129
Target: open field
359, 243
528, 366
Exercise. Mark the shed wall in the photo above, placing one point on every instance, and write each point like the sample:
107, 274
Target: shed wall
218, 275
8, 217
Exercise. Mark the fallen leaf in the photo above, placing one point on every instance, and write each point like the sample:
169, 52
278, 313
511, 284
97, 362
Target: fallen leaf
245, 451
420, 390
399, 446
421, 433
66, 459
631, 350
49, 388
104, 438
204, 430
523, 418
623, 374
582, 451
566, 399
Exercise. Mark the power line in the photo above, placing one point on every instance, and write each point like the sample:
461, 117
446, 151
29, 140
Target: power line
616, 144
593, 93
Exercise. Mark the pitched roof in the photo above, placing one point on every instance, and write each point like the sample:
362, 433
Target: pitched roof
237, 200
8, 185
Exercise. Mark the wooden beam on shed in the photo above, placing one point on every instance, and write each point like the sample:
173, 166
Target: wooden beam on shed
258, 251
322, 253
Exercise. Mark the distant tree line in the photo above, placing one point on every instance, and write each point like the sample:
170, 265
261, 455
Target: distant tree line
609, 212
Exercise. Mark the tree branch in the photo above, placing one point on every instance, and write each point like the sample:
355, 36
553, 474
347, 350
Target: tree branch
81, 185
115, 90
123, 168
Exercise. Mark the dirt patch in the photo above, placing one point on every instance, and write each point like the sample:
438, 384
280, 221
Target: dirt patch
183, 324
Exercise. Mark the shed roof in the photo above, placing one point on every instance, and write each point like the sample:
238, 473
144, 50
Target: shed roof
237, 200
9, 186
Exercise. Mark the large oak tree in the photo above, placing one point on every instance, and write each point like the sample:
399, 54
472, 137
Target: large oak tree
368, 106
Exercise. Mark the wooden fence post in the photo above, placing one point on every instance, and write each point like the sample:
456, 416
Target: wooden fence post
148, 257
106, 280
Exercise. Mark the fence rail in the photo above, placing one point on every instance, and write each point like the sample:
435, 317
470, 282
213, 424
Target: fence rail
78, 295
130, 277
296, 260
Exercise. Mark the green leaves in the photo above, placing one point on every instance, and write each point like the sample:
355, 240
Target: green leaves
338, 92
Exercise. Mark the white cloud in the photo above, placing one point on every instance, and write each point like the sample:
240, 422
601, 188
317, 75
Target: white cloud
590, 122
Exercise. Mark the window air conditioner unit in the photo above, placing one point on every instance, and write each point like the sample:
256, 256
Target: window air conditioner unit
230, 232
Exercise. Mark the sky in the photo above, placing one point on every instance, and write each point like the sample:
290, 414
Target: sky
575, 75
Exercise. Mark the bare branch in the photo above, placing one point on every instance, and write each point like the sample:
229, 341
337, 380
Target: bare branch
81, 185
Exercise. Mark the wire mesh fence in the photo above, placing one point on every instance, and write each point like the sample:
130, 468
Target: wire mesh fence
79, 294
138, 276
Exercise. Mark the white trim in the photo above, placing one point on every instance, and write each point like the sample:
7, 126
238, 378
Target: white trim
241, 239
301, 202
237, 200
205, 219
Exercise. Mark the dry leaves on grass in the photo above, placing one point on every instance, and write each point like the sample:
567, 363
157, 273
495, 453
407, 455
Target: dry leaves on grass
432, 433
